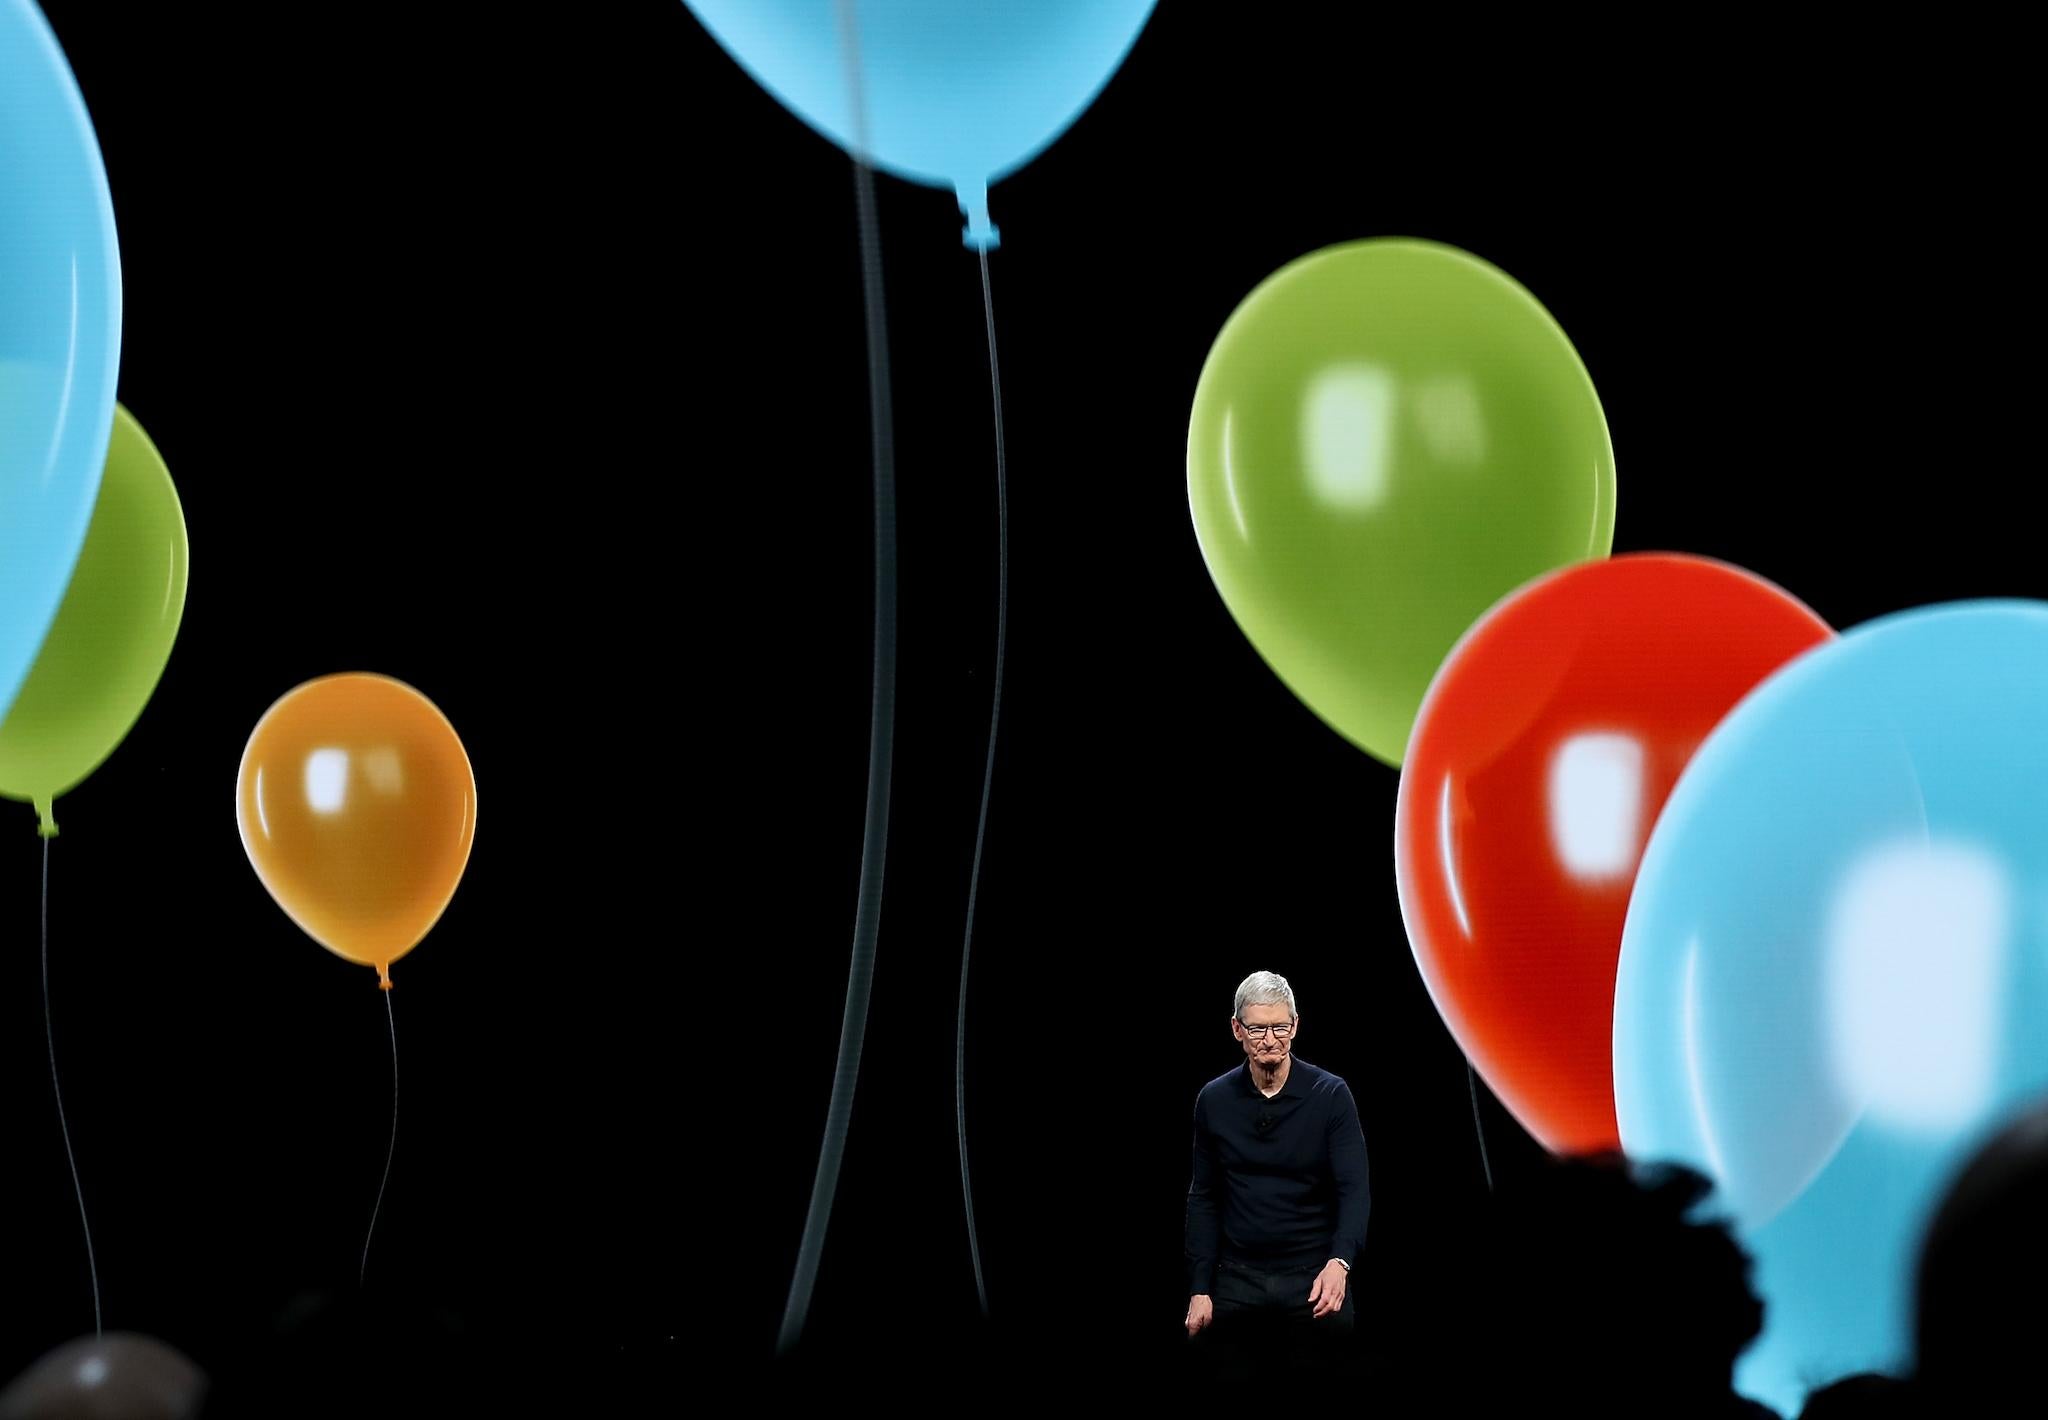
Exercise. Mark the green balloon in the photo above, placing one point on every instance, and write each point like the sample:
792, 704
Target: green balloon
107, 648
1388, 438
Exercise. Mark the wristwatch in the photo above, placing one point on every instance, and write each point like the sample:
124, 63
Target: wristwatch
1341, 1263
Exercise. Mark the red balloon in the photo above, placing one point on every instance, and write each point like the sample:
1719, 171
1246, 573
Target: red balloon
1542, 755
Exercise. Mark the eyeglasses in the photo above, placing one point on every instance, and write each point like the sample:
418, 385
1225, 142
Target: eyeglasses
1259, 1032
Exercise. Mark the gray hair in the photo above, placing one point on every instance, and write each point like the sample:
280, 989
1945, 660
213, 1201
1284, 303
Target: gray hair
1264, 988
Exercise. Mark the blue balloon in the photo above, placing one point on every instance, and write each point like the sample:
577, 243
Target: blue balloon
1833, 982
956, 93
60, 333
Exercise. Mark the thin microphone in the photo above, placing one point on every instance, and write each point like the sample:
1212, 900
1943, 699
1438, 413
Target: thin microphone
1265, 1122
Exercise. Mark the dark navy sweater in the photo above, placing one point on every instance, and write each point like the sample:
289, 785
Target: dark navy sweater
1278, 1182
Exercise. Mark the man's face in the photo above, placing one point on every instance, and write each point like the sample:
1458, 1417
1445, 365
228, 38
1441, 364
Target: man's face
1264, 1045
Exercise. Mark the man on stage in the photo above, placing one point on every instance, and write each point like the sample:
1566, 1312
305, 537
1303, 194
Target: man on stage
1278, 1206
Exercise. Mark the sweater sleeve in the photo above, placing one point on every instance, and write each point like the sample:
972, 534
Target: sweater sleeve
1354, 1179
1203, 1230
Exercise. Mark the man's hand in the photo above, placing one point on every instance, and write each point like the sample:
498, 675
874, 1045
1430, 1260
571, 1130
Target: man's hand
1328, 1293
1201, 1311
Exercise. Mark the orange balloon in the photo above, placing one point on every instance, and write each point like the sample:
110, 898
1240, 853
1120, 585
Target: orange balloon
357, 807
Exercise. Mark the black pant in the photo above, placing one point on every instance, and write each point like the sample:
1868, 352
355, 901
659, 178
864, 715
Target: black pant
1265, 1326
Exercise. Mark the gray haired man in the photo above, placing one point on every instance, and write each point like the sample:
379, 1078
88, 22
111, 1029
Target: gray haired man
1281, 1193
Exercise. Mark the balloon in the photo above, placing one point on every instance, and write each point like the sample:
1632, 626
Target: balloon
957, 93
1546, 746
357, 808
107, 648
1834, 974
1388, 438
119, 1376
60, 332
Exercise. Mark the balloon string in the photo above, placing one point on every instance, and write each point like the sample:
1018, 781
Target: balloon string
987, 776
50, 1029
1478, 1127
391, 1018
882, 720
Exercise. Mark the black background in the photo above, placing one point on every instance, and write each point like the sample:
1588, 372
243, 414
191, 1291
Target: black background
520, 355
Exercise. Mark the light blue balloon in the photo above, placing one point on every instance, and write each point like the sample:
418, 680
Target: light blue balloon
958, 93
1833, 982
60, 333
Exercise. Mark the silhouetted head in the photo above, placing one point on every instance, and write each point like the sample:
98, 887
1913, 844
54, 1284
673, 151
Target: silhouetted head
345, 1352
120, 1376
1612, 1290
1977, 1307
